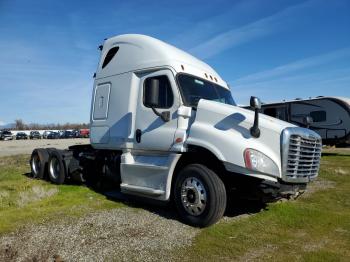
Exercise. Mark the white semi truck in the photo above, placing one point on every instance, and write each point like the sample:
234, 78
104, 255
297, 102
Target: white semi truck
164, 125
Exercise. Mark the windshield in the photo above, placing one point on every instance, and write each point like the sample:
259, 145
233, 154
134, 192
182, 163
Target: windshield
194, 88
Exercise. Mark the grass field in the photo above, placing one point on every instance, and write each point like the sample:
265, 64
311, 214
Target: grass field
315, 227
24, 200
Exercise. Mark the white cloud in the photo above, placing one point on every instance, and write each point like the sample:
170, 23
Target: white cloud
249, 32
195, 32
293, 67
301, 85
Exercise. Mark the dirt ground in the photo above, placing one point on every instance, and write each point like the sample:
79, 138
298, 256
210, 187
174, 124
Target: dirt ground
132, 233
336, 150
16, 147
123, 234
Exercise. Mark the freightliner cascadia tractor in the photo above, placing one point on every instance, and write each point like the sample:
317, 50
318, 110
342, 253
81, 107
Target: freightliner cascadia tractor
164, 126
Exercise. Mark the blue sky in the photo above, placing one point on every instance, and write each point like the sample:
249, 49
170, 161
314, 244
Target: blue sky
272, 49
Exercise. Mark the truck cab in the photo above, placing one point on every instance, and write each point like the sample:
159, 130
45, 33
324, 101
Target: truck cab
167, 125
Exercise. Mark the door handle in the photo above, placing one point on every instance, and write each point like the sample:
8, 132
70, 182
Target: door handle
138, 134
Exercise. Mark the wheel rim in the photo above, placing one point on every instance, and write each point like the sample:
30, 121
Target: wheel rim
36, 164
193, 196
54, 168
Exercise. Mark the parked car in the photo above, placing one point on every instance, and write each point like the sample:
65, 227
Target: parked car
84, 133
53, 135
61, 134
34, 135
67, 134
21, 135
76, 133
6, 135
46, 133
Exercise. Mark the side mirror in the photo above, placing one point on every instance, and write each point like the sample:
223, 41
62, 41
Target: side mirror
152, 99
255, 102
307, 121
152, 94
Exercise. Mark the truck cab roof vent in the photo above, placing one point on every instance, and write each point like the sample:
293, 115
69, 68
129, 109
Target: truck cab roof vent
111, 53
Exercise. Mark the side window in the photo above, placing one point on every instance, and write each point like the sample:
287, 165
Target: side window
281, 113
318, 116
166, 97
111, 53
270, 112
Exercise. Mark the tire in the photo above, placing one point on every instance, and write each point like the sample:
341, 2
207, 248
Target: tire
199, 195
38, 163
56, 168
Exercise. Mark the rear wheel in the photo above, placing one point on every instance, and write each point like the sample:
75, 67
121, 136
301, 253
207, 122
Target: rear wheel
56, 168
200, 195
38, 162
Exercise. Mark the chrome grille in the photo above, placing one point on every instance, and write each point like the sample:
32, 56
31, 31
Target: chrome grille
301, 154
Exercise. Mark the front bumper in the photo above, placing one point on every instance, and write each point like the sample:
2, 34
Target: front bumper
280, 189
256, 189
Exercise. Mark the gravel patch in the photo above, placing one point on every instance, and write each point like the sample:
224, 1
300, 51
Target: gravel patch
318, 185
123, 234
16, 147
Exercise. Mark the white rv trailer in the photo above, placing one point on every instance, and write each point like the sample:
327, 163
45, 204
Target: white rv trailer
164, 126
330, 116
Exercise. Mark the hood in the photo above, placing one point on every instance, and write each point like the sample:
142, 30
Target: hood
225, 131
233, 115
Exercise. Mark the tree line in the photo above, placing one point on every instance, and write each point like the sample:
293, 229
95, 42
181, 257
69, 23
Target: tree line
21, 125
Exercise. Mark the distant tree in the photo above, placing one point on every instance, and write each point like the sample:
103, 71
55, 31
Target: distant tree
34, 126
19, 124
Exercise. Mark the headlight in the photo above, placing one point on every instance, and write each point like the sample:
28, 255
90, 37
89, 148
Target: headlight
258, 161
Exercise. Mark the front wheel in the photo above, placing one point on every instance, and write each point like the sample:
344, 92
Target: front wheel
200, 195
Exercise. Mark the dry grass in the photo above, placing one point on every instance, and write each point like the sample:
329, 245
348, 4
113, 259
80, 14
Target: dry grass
36, 193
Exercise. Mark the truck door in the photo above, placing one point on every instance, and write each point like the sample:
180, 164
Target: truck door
151, 132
